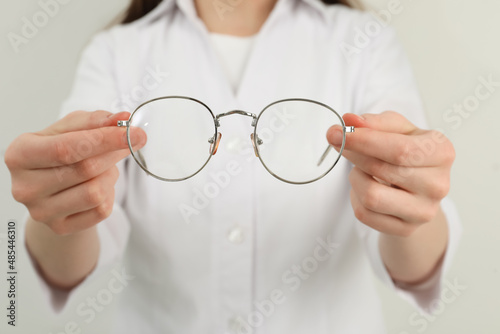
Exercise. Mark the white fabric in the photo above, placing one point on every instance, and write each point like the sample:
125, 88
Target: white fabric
255, 236
233, 53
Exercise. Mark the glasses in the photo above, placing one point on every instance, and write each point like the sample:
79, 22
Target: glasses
289, 138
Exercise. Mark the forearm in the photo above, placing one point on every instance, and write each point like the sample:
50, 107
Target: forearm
63, 261
413, 259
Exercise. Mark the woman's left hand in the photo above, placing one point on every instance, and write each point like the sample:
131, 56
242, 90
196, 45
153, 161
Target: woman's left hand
401, 173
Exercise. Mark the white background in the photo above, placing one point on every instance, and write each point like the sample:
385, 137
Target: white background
451, 43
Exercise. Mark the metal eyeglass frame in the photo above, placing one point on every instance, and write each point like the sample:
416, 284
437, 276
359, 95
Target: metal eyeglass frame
215, 139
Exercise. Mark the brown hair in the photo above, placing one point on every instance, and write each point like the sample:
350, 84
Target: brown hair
139, 8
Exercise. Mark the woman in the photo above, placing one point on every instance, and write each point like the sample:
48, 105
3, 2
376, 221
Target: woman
258, 255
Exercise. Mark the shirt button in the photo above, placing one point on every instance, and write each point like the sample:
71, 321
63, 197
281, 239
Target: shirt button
235, 235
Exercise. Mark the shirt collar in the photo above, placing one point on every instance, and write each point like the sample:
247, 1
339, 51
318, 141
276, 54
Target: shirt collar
187, 6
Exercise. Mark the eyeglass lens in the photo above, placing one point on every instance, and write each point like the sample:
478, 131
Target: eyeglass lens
293, 140
289, 136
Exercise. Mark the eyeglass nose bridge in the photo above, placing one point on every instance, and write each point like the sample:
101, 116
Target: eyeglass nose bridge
236, 112
214, 141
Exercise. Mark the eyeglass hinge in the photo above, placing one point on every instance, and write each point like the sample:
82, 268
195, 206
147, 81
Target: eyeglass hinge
122, 123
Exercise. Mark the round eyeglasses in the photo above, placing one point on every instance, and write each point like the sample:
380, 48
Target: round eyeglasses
289, 138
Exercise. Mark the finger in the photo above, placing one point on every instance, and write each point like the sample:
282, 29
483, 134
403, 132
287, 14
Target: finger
84, 220
383, 223
387, 200
48, 181
84, 120
426, 181
388, 121
394, 148
72, 147
82, 197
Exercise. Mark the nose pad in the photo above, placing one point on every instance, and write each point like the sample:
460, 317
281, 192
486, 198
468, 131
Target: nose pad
256, 139
214, 143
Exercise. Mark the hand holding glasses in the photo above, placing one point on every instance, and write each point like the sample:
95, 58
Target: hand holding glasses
289, 138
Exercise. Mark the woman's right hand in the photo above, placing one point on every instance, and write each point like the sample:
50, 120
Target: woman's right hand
65, 174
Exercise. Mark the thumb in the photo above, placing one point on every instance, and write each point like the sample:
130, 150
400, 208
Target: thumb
388, 121
335, 134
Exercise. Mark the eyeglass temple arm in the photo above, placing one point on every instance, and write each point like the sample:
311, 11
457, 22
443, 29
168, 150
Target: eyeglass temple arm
328, 149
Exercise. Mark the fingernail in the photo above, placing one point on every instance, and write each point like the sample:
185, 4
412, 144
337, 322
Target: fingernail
124, 137
336, 137
136, 138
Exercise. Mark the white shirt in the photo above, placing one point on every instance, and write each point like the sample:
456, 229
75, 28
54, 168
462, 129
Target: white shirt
233, 53
260, 254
